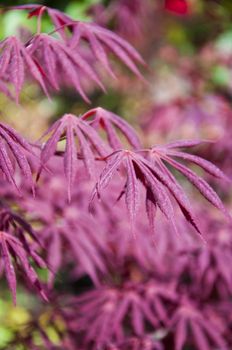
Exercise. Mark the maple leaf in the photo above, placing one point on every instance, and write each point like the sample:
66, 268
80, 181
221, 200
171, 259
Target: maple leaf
84, 246
12, 248
192, 327
17, 237
108, 309
55, 57
213, 273
14, 223
165, 154
70, 235
108, 120
15, 61
11, 142
71, 127
98, 38
155, 181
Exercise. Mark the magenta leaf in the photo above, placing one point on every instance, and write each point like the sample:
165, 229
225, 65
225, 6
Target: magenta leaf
200, 184
90, 145
99, 39
84, 245
132, 191
166, 154
109, 309
152, 179
12, 250
193, 328
201, 162
15, 61
16, 146
107, 120
55, 58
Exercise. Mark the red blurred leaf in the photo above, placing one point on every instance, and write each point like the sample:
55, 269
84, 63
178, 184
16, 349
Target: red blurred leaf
179, 7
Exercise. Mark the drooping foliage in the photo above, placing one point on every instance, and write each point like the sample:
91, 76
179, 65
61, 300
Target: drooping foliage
107, 226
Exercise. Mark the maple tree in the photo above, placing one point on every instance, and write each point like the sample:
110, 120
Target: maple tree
87, 196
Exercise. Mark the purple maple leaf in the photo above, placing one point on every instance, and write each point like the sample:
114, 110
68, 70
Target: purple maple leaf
107, 121
12, 145
209, 267
76, 239
98, 38
15, 61
71, 236
107, 310
19, 242
155, 181
11, 249
71, 127
161, 154
55, 57
192, 327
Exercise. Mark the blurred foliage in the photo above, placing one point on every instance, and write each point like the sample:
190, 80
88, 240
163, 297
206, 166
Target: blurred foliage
210, 23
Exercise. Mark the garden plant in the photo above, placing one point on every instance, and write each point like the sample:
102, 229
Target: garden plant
116, 229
